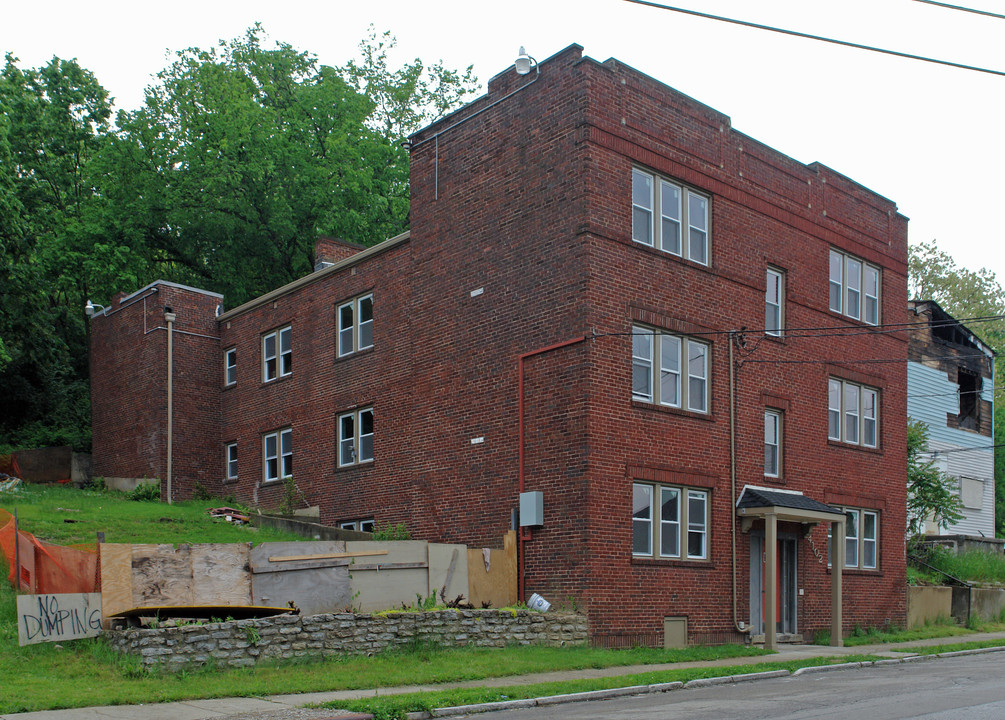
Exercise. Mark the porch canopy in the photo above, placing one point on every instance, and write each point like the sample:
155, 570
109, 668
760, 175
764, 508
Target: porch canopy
772, 506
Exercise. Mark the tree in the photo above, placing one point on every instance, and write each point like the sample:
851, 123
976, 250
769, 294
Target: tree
52, 121
930, 492
977, 299
242, 155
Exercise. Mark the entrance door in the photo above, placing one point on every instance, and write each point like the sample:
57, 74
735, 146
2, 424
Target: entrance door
786, 590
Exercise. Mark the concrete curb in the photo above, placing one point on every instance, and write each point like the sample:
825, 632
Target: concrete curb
677, 685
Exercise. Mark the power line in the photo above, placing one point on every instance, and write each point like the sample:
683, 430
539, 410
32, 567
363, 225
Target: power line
964, 9
808, 36
961, 449
875, 361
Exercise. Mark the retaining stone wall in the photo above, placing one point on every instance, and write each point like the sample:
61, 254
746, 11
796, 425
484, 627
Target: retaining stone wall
247, 642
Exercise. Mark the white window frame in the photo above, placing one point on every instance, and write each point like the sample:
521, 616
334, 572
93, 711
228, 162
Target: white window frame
772, 442
852, 413
355, 334
280, 356
651, 525
230, 367
859, 544
364, 525
774, 302
855, 287
678, 207
230, 460
358, 443
659, 357
281, 454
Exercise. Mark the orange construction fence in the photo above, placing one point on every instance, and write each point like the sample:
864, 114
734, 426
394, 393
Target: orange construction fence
38, 567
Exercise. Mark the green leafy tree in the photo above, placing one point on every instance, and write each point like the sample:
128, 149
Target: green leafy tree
52, 123
930, 492
243, 154
978, 299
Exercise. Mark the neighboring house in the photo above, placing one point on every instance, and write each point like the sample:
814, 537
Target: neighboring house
654, 334
950, 387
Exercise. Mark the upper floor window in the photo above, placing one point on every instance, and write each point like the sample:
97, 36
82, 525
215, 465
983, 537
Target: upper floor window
861, 539
772, 443
355, 325
277, 452
852, 412
670, 370
670, 216
277, 354
230, 366
231, 461
774, 295
669, 522
355, 437
854, 288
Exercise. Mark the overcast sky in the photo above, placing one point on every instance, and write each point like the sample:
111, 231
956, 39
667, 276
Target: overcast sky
926, 136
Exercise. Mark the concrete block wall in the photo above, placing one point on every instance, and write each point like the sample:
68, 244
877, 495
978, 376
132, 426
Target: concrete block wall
247, 642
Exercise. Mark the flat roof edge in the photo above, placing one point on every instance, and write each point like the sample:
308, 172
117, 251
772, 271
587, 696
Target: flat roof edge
279, 292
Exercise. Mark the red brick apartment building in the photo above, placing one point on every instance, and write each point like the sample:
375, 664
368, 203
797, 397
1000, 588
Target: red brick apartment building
659, 329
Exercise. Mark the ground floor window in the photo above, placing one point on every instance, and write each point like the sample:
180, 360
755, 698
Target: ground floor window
365, 525
669, 522
861, 539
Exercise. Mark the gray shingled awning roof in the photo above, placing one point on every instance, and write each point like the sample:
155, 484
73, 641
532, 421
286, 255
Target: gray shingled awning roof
788, 505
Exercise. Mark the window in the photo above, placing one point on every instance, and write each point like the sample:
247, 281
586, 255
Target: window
679, 511
772, 443
861, 539
230, 367
851, 280
355, 325
852, 413
355, 437
360, 525
277, 449
232, 461
970, 401
662, 210
277, 354
773, 294
658, 375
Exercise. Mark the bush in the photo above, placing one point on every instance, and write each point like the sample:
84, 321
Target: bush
147, 492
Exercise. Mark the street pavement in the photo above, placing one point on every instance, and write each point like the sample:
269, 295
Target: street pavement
290, 707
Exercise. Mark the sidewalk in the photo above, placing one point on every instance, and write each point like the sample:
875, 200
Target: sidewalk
290, 707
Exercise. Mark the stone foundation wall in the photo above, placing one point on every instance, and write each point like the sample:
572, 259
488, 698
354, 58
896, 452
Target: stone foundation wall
247, 642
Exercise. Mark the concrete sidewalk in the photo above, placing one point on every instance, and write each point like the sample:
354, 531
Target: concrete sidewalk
290, 707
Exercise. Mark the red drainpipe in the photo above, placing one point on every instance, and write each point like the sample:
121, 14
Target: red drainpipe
523, 534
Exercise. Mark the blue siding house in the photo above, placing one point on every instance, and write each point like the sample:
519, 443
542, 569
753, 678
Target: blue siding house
950, 381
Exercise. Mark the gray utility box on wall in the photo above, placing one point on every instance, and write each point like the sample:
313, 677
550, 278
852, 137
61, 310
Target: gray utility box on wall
531, 508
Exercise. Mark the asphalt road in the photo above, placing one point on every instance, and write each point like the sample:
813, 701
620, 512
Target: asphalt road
970, 687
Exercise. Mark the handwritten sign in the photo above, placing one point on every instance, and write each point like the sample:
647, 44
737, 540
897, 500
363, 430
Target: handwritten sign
53, 618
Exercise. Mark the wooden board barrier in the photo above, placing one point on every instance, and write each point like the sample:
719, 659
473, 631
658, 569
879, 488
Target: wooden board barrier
497, 583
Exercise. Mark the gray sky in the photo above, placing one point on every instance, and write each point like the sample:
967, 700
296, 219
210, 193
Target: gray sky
926, 136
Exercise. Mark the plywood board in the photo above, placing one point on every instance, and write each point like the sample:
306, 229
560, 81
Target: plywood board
221, 574
384, 589
55, 617
315, 586
448, 570
162, 575
61, 570
116, 577
497, 584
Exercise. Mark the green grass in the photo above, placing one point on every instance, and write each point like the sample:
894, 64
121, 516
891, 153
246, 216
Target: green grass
944, 627
952, 647
394, 707
66, 516
972, 566
88, 672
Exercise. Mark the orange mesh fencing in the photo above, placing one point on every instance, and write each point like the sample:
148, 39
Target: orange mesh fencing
46, 568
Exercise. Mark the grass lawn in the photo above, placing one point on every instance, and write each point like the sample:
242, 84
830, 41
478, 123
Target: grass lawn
63, 515
395, 707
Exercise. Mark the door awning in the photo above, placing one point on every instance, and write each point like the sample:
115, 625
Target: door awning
786, 505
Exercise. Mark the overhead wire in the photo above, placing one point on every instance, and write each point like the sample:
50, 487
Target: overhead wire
976, 11
819, 38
